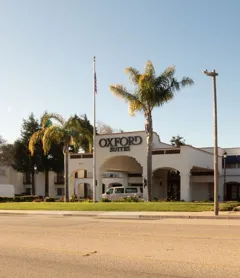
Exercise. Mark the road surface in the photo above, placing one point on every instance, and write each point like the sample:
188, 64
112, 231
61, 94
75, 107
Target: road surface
47, 246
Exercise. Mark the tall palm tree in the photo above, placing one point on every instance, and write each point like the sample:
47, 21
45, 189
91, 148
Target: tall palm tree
69, 133
150, 91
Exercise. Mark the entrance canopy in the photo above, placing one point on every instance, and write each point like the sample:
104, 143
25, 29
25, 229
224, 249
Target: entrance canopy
121, 164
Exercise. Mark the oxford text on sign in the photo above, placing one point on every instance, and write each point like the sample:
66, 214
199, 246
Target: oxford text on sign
119, 144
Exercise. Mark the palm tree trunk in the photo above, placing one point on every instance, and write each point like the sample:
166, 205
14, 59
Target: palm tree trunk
66, 153
149, 132
46, 182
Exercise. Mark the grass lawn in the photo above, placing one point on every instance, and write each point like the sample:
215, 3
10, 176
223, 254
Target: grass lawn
141, 206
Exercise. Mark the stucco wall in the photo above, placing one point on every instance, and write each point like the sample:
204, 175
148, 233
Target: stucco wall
196, 157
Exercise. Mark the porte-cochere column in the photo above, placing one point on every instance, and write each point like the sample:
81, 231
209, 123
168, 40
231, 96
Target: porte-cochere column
185, 191
144, 182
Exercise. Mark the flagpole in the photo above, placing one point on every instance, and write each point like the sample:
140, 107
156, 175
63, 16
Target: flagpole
94, 129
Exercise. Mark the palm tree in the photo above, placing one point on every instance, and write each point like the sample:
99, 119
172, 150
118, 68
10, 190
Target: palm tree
177, 141
69, 133
150, 91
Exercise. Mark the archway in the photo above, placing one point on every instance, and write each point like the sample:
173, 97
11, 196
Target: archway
121, 171
81, 183
166, 184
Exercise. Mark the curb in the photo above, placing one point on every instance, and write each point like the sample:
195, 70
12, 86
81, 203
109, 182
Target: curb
129, 217
148, 217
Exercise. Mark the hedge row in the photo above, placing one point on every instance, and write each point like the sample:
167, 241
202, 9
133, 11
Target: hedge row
25, 199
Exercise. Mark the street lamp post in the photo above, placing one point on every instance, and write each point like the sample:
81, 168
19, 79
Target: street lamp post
224, 165
213, 74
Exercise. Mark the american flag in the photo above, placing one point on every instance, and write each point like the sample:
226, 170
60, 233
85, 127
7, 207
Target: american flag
95, 82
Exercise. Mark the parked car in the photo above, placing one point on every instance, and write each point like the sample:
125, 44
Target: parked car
115, 193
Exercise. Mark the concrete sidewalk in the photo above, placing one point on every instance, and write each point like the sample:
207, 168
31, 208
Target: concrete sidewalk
128, 215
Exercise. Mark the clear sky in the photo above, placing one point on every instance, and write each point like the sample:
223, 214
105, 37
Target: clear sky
47, 47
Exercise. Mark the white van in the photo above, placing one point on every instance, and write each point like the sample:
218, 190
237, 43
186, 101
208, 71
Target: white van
115, 193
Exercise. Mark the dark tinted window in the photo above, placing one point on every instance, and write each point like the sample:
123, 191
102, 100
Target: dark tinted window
131, 190
119, 190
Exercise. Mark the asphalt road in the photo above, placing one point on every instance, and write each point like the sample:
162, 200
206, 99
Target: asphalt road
45, 246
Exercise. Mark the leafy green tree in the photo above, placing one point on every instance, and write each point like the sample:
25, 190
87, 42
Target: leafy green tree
22, 160
177, 141
86, 141
5, 155
150, 91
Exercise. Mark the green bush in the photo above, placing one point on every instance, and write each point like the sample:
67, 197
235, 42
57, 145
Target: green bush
19, 199
129, 199
49, 199
236, 208
6, 199
105, 200
25, 198
73, 198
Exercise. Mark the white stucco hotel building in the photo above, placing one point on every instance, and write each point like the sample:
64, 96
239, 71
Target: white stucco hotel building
184, 173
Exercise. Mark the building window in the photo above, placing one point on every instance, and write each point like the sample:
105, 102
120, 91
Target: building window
59, 178
27, 178
28, 191
60, 191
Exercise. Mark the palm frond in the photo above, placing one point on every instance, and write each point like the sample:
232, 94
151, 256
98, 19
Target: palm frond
52, 134
35, 138
132, 99
186, 81
149, 69
73, 124
175, 85
135, 106
49, 116
169, 72
133, 75
121, 92
42, 117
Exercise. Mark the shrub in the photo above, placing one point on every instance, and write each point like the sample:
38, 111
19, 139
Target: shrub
120, 200
236, 208
105, 200
6, 199
37, 200
25, 198
73, 198
134, 198
163, 200
49, 199
61, 199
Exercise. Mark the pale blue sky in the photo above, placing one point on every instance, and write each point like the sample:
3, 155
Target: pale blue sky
47, 47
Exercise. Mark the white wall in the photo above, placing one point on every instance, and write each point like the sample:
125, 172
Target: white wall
40, 184
199, 158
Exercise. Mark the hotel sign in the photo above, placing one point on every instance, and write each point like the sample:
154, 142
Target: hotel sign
120, 144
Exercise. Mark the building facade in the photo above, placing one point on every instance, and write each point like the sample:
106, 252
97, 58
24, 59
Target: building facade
184, 173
